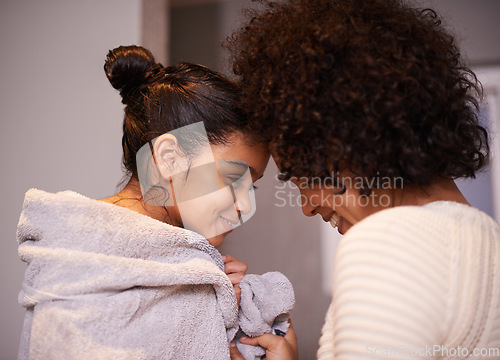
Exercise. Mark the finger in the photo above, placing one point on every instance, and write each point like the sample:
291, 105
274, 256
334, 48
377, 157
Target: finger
232, 264
277, 347
233, 351
231, 259
267, 341
237, 291
291, 337
228, 258
236, 278
250, 341
235, 266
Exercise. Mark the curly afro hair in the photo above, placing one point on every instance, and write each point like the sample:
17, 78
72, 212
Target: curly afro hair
373, 86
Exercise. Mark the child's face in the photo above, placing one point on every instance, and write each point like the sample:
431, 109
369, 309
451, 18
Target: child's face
217, 194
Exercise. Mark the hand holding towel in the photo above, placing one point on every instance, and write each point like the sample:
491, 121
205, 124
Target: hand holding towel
265, 306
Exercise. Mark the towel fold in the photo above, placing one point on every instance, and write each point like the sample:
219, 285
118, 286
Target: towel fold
105, 282
265, 306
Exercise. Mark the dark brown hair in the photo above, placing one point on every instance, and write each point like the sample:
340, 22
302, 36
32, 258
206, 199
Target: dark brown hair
160, 99
374, 86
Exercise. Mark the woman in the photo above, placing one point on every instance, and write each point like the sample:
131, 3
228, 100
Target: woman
136, 275
371, 112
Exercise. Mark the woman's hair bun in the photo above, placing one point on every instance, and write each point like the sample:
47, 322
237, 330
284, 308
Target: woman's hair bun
127, 68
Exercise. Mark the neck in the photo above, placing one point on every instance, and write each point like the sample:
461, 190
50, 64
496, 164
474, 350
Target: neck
438, 190
131, 198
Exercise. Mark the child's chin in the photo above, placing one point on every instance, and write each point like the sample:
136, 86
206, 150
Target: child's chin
217, 240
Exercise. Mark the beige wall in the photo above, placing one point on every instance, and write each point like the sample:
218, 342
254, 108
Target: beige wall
476, 25
60, 120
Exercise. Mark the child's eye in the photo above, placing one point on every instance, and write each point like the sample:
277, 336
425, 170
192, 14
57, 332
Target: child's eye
233, 181
236, 183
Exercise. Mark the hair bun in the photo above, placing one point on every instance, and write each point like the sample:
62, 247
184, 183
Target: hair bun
127, 68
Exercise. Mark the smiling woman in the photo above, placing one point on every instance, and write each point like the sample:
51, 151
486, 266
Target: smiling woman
359, 90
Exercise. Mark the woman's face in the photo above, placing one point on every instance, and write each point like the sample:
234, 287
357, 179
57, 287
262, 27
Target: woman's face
218, 190
342, 205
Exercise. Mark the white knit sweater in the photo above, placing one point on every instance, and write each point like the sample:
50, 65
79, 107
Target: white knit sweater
416, 282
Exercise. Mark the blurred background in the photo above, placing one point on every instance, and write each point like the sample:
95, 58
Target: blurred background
60, 128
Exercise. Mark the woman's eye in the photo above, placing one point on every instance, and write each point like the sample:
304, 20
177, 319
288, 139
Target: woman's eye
334, 185
342, 190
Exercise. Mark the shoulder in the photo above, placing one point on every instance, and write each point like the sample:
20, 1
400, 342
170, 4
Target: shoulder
441, 221
424, 241
412, 241
410, 266
405, 228
393, 266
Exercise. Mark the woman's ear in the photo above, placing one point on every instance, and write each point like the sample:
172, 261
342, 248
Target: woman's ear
166, 153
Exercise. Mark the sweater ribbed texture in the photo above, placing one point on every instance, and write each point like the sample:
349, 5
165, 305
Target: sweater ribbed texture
416, 282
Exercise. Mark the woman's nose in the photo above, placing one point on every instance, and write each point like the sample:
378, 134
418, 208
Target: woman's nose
305, 203
307, 208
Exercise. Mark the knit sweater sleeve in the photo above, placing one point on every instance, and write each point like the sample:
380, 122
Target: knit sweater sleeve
390, 289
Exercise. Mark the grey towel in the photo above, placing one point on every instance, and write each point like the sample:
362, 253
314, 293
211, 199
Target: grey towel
105, 282
265, 306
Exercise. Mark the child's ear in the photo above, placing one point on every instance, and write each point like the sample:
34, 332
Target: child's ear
166, 153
